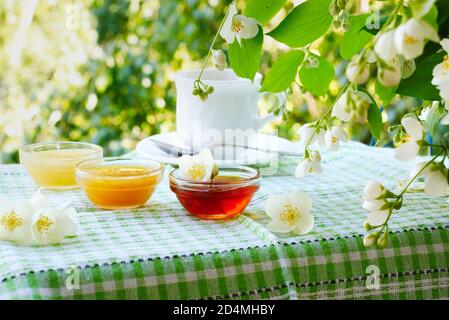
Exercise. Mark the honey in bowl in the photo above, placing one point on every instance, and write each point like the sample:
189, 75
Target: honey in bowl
52, 165
224, 197
117, 183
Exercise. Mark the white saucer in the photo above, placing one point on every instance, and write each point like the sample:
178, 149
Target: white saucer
146, 148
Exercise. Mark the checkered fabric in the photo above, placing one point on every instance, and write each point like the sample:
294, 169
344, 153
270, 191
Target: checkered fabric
161, 252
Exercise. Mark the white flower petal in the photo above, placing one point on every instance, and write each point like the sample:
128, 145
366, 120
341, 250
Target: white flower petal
435, 183
376, 218
341, 110
226, 32
407, 151
390, 76
249, 28
373, 205
385, 47
305, 224
39, 201
357, 73
408, 44
67, 223
332, 142
372, 190
22, 236
340, 133
302, 201
279, 227
198, 167
413, 128
274, 205
445, 44
5, 204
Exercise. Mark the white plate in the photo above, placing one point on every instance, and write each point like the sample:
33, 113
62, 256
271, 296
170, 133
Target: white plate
146, 148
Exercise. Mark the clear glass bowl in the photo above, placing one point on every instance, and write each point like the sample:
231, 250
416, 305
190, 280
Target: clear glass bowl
52, 164
225, 197
119, 183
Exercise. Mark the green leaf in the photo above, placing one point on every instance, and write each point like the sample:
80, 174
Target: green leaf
385, 94
306, 23
432, 17
317, 79
263, 10
356, 38
245, 58
375, 120
419, 84
283, 72
443, 10
374, 115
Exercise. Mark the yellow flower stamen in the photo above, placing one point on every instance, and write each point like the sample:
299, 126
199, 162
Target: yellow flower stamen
237, 26
334, 140
11, 221
196, 172
290, 214
43, 224
446, 63
410, 40
405, 138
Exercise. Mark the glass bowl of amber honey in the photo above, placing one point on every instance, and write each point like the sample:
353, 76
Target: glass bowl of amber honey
52, 164
224, 197
118, 183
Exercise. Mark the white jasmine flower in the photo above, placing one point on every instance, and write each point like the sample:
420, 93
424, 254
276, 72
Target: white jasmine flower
334, 136
15, 221
385, 47
219, 59
238, 27
409, 150
373, 205
409, 37
377, 218
342, 108
357, 73
441, 71
435, 181
199, 167
424, 115
52, 225
310, 165
308, 135
435, 178
290, 213
373, 190
391, 74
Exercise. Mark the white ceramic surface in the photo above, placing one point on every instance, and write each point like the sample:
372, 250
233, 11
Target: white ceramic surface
146, 148
232, 106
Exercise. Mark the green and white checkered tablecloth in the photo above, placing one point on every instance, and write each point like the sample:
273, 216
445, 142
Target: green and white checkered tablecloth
161, 252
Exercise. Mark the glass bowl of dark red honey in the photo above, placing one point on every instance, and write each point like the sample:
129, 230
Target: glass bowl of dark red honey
224, 197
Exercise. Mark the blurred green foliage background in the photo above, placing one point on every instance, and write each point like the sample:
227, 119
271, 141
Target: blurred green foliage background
101, 70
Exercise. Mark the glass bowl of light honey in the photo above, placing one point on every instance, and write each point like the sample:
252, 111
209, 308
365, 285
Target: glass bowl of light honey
52, 164
224, 197
118, 183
